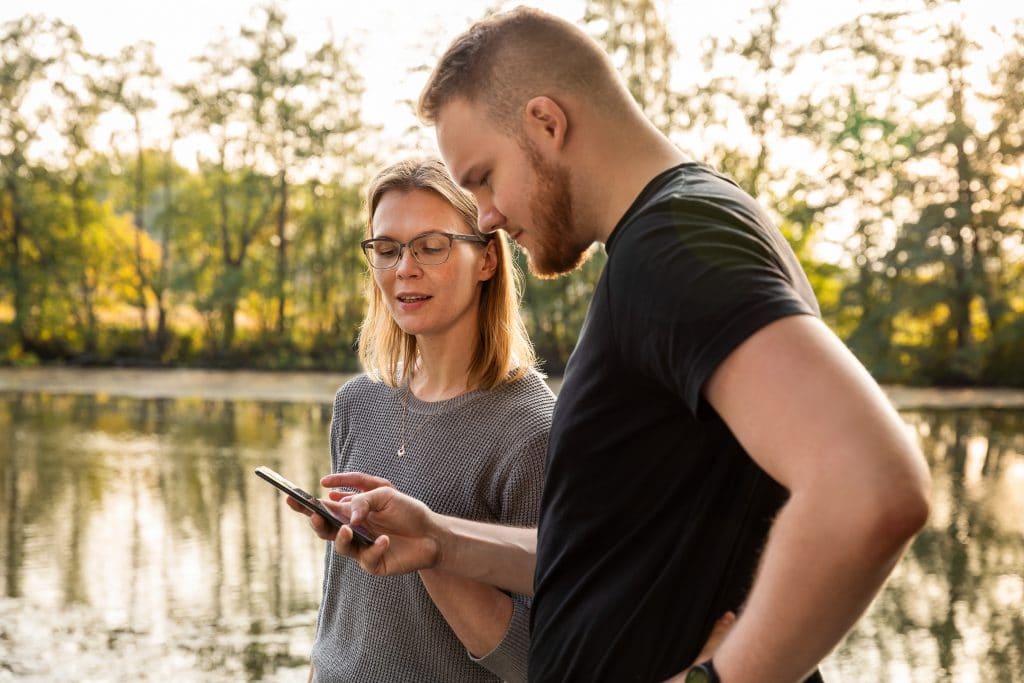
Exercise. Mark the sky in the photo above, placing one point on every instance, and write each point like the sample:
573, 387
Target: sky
394, 36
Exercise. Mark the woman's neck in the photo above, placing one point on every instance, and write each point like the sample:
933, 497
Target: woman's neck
442, 369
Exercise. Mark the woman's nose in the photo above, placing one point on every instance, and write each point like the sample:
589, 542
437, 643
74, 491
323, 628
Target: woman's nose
407, 264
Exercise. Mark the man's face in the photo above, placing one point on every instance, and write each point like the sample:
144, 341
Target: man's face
516, 189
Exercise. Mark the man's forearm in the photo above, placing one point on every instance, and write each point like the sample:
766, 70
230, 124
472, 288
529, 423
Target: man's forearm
500, 556
818, 574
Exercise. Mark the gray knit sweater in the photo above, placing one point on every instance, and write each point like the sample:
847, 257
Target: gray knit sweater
476, 456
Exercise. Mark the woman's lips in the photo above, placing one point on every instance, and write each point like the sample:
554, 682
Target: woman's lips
409, 302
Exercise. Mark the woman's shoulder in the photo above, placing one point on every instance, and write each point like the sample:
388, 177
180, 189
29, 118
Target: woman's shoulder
531, 386
522, 401
360, 389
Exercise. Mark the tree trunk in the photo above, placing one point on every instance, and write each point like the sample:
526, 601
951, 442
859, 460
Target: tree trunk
282, 253
138, 208
17, 283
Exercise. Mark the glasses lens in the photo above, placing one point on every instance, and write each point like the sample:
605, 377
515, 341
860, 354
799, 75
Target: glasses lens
431, 249
382, 253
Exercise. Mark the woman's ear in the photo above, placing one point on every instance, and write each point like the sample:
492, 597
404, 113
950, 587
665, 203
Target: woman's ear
489, 265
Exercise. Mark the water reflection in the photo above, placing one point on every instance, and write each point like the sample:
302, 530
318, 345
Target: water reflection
954, 610
136, 531
146, 514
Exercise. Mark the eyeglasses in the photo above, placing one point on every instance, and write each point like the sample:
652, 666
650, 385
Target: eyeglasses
429, 249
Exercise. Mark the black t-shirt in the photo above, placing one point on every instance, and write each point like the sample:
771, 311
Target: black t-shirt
653, 516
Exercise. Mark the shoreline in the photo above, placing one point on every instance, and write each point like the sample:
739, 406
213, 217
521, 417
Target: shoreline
320, 387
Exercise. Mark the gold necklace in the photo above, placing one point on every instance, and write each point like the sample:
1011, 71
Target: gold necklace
406, 392
405, 417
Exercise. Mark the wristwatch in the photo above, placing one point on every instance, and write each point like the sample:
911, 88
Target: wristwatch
703, 673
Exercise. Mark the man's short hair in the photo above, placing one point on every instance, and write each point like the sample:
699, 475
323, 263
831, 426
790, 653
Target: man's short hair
507, 59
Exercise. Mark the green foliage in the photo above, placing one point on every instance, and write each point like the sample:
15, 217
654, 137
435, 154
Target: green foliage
634, 34
893, 174
554, 309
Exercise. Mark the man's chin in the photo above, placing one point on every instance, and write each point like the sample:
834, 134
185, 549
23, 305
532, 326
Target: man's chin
548, 268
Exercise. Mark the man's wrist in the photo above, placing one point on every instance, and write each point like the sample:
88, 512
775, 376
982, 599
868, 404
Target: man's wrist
445, 543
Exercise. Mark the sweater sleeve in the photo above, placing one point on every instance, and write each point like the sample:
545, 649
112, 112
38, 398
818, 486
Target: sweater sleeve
508, 659
520, 489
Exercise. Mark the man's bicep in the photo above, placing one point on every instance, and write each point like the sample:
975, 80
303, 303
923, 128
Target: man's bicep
803, 407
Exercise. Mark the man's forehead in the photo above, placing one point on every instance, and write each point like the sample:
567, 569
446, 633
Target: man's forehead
456, 119
457, 125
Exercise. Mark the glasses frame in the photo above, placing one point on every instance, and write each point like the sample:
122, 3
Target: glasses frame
452, 237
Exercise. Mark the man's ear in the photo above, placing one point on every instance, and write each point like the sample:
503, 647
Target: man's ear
489, 266
546, 123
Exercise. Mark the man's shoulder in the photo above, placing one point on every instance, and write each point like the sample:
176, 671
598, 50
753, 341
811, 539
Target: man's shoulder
689, 180
693, 190
690, 206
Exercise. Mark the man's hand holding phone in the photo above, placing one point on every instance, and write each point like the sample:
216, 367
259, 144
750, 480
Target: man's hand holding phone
320, 526
407, 531
324, 519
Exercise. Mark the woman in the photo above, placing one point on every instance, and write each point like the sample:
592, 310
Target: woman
450, 411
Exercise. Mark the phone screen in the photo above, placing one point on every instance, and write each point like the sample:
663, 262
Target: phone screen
311, 502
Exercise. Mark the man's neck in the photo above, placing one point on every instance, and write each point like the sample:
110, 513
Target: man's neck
623, 170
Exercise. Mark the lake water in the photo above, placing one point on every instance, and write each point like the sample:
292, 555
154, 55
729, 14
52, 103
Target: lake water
135, 543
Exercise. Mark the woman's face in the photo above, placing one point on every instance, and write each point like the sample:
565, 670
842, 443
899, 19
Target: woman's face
431, 300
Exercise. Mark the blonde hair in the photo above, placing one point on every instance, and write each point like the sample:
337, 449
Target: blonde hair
505, 60
503, 351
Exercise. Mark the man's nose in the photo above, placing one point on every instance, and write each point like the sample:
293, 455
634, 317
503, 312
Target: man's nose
490, 219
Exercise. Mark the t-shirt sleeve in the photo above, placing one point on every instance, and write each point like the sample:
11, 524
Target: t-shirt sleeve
689, 282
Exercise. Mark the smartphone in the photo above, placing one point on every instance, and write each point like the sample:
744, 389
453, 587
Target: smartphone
310, 502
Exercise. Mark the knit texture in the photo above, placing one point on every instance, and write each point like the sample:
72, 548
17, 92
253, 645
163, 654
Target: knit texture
477, 456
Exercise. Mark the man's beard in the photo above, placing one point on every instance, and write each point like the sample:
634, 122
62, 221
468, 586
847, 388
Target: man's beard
556, 243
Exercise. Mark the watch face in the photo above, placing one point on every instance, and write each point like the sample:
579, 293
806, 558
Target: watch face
699, 674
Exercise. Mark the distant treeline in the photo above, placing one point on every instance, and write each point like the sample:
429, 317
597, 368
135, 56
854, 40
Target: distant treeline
891, 156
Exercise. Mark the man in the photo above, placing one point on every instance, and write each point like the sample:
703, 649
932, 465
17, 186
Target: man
714, 447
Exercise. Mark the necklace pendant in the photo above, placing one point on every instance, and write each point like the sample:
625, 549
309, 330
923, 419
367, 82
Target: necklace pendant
401, 451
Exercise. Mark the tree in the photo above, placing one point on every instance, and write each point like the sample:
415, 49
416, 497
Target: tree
243, 197
739, 119
949, 246
858, 125
1002, 206
30, 49
134, 76
634, 34
303, 106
